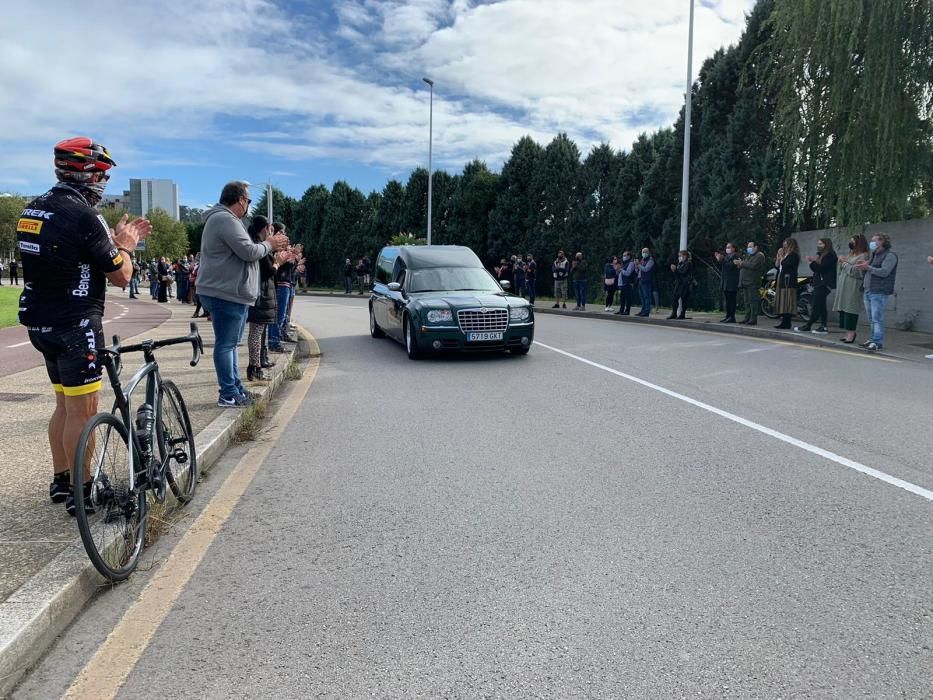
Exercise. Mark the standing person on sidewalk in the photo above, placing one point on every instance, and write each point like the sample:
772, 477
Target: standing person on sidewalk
531, 277
626, 283
848, 301
134, 280
14, 272
645, 270
278, 331
729, 280
560, 269
69, 253
610, 281
787, 262
824, 266
518, 276
347, 276
751, 270
162, 269
228, 284
880, 274
578, 273
683, 274
263, 312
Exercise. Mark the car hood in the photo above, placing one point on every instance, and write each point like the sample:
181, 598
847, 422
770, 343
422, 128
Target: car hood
467, 300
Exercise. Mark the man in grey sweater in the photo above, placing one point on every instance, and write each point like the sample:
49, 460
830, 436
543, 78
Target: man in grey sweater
880, 274
228, 283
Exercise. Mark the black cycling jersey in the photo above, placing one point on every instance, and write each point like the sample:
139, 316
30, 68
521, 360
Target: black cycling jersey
66, 250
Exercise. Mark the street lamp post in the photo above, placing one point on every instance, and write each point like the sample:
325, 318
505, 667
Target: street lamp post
430, 140
685, 185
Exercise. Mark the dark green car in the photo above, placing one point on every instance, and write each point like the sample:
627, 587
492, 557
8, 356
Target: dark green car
436, 298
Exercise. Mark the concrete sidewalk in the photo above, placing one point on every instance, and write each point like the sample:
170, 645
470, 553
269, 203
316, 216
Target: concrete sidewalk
45, 576
903, 345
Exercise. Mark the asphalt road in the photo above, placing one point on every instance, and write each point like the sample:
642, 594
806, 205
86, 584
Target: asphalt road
122, 316
637, 512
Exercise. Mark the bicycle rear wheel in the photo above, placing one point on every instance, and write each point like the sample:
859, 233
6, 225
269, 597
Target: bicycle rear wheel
175, 440
112, 520
767, 303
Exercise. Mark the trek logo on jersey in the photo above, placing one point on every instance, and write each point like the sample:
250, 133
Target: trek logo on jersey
38, 214
28, 225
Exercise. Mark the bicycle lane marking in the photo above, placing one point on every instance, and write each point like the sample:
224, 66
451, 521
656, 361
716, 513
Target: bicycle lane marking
105, 673
819, 451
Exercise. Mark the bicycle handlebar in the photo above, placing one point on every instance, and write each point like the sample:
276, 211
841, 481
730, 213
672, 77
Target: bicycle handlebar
194, 337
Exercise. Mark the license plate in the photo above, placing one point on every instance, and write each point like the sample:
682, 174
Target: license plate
488, 335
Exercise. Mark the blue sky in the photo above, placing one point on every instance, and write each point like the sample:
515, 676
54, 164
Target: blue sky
300, 93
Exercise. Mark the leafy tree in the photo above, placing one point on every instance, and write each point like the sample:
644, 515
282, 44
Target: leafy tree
282, 209
309, 216
852, 81
194, 230
471, 203
512, 221
168, 237
390, 215
10, 209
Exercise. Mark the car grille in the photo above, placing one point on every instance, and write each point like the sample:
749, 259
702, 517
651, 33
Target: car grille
472, 320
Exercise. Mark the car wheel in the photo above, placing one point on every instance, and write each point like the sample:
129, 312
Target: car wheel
520, 351
411, 340
374, 330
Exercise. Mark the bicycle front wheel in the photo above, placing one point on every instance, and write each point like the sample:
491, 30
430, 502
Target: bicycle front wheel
767, 304
112, 514
176, 442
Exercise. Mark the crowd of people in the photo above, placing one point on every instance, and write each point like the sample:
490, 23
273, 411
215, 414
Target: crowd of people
863, 278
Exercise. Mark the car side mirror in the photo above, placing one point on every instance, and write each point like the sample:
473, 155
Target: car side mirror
505, 284
395, 287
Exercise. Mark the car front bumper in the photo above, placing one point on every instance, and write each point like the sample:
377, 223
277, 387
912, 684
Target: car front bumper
451, 338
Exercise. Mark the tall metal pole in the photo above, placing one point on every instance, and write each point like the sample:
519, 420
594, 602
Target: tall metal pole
430, 144
685, 186
269, 202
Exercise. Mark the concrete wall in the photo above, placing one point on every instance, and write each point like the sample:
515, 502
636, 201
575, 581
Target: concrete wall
913, 289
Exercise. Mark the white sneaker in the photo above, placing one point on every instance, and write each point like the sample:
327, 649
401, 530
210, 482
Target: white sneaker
929, 357
608, 308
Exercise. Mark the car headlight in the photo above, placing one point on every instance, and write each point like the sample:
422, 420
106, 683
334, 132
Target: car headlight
439, 315
519, 313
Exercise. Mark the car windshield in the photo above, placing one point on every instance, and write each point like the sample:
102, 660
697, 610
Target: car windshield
452, 279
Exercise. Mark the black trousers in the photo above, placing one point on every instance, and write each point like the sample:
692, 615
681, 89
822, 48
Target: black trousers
680, 295
625, 299
848, 321
610, 294
819, 317
730, 303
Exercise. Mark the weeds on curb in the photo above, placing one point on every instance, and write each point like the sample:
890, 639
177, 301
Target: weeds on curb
160, 519
250, 422
293, 372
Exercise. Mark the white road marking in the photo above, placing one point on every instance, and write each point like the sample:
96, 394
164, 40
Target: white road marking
819, 451
18, 345
108, 320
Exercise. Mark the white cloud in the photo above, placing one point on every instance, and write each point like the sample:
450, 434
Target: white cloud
145, 73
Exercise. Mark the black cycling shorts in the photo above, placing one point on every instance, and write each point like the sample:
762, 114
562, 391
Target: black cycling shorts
71, 355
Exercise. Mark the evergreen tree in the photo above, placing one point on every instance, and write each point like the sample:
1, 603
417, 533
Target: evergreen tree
471, 204
512, 221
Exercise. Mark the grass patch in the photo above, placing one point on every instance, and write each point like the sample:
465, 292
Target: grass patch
9, 305
293, 372
250, 422
162, 518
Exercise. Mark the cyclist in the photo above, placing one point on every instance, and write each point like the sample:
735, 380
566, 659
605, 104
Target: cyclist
68, 253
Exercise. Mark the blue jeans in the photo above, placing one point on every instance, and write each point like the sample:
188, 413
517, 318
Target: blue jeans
153, 287
228, 320
874, 310
134, 286
579, 287
277, 330
647, 297
530, 288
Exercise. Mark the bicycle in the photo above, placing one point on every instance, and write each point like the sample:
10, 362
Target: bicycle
768, 298
118, 464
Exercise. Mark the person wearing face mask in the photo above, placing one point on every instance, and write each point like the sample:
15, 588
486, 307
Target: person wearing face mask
880, 274
578, 276
848, 301
228, 283
824, 281
626, 281
683, 273
751, 270
787, 261
610, 283
729, 280
531, 277
560, 269
646, 282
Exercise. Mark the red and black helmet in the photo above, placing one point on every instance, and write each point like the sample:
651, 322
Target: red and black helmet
82, 155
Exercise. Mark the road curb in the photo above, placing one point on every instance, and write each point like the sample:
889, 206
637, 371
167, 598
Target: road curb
40, 609
724, 328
